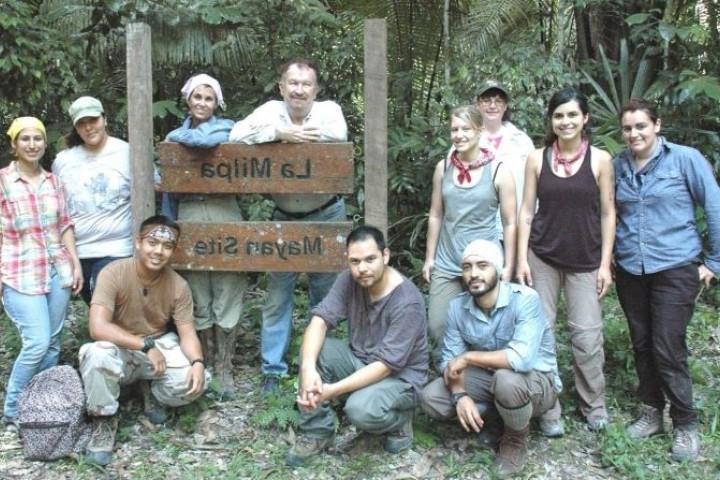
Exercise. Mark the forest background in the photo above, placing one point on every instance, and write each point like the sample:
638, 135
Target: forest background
439, 51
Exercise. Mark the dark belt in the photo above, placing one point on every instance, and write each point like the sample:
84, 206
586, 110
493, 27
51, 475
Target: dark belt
301, 215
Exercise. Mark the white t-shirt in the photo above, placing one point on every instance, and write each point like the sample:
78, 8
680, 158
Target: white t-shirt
98, 191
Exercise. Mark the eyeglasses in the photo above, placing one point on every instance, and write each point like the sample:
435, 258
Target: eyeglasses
487, 101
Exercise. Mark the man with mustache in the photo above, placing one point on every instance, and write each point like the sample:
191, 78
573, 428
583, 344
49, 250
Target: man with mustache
297, 118
378, 371
134, 303
498, 359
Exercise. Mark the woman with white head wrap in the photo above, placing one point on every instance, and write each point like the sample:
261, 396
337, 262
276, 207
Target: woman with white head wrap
217, 296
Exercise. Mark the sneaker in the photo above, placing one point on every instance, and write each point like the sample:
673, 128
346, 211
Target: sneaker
489, 436
493, 428
400, 440
152, 409
305, 447
648, 423
685, 446
597, 423
552, 428
99, 449
270, 384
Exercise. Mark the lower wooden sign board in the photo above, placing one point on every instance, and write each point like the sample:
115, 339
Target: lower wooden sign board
262, 246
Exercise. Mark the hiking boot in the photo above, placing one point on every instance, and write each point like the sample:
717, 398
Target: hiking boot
270, 384
400, 440
511, 457
685, 446
597, 423
152, 409
207, 343
305, 447
225, 343
100, 447
551, 427
648, 423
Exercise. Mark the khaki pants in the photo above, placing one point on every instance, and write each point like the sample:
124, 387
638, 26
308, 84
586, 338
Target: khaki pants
584, 319
105, 367
217, 296
443, 288
508, 388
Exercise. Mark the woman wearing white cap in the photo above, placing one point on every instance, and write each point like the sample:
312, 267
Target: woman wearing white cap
95, 171
39, 267
217, 296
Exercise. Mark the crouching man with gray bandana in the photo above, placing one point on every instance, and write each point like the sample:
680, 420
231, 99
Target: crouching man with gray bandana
498, 359
133, 305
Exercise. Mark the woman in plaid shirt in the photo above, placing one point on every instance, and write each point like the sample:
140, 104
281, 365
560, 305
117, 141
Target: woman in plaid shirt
39, 266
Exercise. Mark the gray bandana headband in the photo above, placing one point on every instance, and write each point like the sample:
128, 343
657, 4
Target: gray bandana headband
162, 233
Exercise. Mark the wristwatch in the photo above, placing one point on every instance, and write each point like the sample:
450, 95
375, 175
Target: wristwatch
455, 397
148, 343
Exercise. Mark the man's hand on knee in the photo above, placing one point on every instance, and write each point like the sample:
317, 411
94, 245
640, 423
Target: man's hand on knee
196, 379
157, 359
468, 414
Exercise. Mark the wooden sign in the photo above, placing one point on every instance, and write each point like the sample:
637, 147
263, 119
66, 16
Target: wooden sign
266, 168
262, 246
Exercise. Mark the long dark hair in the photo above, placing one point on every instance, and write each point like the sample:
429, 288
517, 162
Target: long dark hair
561, 97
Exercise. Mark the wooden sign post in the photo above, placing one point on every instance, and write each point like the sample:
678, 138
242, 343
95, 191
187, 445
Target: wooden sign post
233, 168
269, 168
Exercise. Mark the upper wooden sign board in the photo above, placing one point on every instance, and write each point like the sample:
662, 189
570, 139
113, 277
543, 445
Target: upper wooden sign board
265, 168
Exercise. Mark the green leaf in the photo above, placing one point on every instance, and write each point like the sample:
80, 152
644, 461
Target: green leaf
666, 31
637, 19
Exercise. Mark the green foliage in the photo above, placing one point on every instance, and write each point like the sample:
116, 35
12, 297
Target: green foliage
278, 410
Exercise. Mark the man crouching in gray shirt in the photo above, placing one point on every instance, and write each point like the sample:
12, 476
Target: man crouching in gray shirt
385, 363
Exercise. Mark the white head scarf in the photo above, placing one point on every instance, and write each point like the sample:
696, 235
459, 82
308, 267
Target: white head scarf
203, 79
488, 251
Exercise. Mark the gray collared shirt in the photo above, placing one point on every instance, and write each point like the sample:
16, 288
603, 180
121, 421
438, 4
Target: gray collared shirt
516, 325
656, 227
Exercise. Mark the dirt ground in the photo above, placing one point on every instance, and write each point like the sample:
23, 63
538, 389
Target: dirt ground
239, 439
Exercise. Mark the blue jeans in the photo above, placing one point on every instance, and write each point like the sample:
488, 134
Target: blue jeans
39, 318
278, 311
91, 269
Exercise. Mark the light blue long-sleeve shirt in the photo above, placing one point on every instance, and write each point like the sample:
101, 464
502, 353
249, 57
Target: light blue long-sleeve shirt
656, 227
516, 325
208, 134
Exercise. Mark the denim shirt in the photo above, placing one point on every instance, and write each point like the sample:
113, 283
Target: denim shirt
208, 134
516, 325
656, 227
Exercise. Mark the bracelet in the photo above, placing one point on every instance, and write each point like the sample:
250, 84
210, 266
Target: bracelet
198, 360
455, 397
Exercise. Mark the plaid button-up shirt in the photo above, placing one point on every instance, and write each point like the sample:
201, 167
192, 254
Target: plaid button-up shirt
32, 222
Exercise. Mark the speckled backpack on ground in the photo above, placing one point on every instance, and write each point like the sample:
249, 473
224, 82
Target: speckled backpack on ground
51, 414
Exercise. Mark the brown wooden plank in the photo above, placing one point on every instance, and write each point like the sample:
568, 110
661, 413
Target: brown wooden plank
140, 121
263, 246
265, 168
376, 91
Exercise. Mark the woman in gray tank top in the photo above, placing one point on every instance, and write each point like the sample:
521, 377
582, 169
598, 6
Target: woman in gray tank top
468, 189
